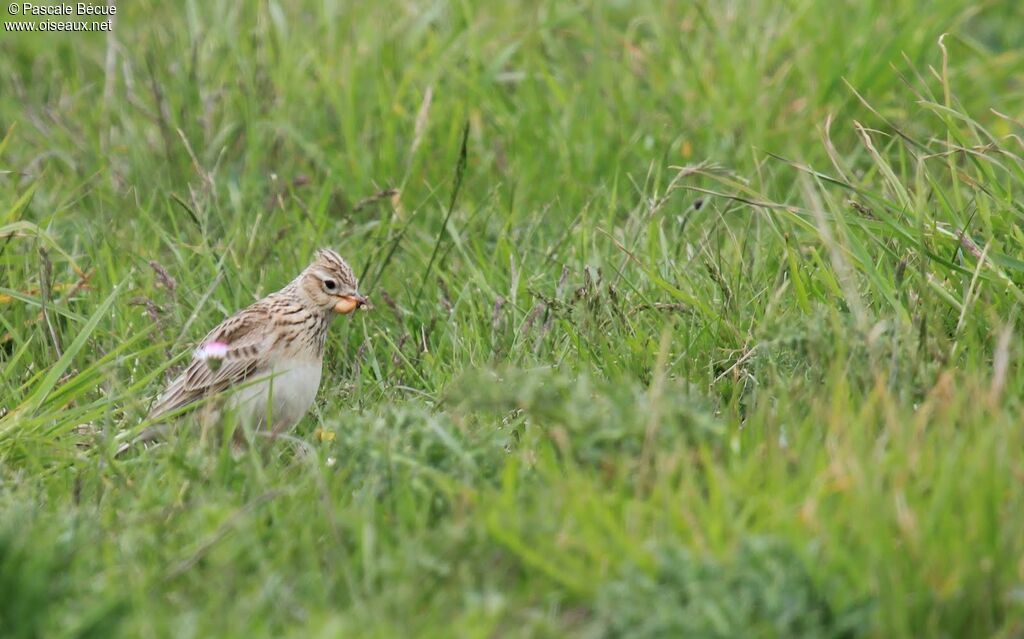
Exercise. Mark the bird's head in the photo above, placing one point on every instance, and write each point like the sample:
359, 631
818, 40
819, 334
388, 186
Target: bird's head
329, 284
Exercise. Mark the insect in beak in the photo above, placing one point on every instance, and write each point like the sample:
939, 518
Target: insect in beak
349, 303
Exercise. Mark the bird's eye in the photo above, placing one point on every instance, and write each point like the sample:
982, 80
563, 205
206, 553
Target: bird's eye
330, 285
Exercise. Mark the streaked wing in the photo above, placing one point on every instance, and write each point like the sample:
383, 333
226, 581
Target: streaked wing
248, 335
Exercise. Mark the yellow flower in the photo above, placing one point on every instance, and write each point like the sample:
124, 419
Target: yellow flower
324, 435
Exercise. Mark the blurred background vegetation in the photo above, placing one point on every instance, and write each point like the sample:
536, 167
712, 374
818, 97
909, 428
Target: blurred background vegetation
693, 318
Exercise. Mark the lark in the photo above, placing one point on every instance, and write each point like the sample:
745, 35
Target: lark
266, 360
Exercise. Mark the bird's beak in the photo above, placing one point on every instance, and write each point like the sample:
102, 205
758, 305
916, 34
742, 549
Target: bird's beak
348, 303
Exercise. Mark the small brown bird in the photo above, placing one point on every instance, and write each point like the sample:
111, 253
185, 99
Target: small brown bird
267, 359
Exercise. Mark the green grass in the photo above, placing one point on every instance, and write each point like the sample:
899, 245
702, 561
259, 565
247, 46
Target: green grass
716, 335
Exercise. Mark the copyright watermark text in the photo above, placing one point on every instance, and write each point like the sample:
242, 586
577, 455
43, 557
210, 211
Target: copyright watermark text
60, 16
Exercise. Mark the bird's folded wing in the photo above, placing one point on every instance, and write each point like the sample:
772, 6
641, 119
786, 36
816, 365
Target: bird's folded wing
248, 337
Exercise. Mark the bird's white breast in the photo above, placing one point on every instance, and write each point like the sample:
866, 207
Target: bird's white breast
286, 393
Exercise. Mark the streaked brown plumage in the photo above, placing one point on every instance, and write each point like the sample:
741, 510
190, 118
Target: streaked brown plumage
271, 366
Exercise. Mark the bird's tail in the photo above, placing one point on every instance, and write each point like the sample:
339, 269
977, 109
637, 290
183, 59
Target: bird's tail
146, 438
